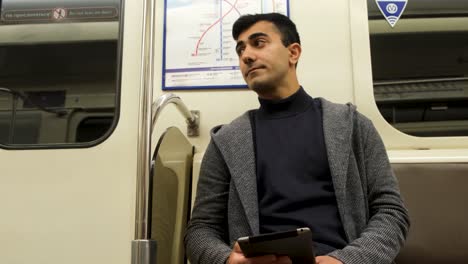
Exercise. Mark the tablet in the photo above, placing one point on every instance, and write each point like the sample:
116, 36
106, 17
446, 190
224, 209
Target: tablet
297, 244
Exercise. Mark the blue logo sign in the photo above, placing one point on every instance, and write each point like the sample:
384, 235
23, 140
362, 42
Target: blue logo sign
392, 9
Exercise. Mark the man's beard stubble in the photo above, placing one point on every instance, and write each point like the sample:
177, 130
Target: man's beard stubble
262, 87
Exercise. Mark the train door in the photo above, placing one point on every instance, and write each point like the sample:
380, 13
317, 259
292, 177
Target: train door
69, 101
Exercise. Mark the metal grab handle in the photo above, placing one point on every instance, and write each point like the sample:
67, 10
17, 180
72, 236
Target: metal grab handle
192, 117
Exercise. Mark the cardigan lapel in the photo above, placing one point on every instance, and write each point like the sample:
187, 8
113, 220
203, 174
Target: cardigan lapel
238, 151
337, 130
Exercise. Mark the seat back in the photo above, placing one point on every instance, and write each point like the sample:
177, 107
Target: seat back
171, 196
437, 199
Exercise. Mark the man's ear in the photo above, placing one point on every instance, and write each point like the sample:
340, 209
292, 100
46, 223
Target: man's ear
295, 50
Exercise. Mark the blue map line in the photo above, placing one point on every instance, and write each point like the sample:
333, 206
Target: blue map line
221, 28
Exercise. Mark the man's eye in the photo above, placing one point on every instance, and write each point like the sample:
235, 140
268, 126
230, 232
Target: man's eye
259, 42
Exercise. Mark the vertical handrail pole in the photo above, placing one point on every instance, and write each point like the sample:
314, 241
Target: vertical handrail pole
144, 130
143, 247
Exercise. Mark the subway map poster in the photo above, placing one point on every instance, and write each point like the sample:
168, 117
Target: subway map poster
199, 51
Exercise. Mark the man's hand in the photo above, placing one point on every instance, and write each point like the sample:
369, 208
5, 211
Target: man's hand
327, 260
237, 257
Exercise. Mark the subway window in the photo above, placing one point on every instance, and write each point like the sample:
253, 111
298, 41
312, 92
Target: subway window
59, 72
419, 52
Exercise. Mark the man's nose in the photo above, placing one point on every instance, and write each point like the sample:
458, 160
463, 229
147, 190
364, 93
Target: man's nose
248, 56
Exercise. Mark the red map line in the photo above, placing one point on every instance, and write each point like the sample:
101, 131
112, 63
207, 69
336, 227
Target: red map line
233, 6
216, 22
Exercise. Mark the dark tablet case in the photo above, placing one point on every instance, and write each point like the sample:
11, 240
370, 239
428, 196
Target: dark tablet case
297, 244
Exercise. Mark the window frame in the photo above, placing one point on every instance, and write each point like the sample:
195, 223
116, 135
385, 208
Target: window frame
117, 102
364, 90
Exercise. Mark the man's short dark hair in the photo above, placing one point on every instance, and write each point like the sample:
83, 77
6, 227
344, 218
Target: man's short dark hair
285, 26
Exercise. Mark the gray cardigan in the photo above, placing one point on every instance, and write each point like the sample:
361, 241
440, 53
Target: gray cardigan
371, 209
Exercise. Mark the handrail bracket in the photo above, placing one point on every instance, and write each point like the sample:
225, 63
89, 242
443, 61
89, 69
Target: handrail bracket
193, 125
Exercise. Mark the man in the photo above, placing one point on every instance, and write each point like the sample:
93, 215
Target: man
295, 162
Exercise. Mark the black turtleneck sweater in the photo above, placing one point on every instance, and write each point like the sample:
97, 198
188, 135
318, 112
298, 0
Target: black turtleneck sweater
294, 184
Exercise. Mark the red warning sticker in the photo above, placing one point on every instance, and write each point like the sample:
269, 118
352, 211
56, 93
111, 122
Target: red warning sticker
59, 13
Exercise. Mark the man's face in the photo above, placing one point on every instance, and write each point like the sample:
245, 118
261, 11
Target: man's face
264, 60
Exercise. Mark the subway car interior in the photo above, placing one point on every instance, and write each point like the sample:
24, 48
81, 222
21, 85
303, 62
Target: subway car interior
102, 134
